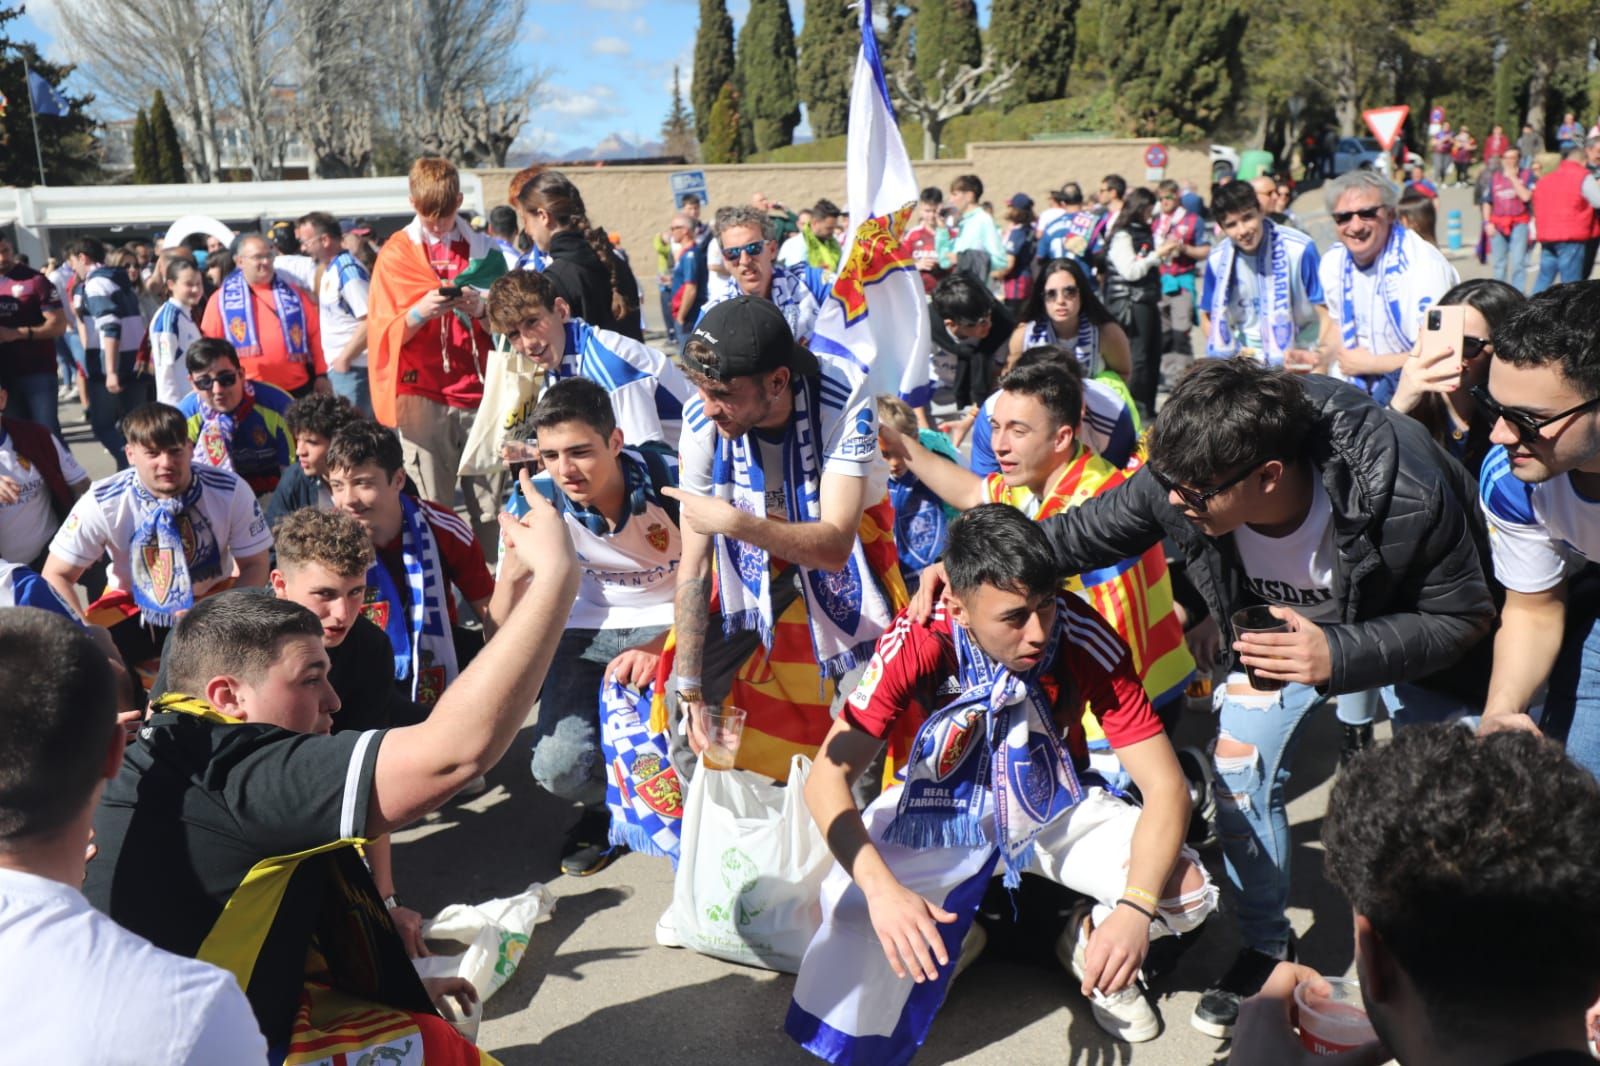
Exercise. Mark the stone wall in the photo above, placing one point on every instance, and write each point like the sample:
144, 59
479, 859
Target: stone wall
636, 201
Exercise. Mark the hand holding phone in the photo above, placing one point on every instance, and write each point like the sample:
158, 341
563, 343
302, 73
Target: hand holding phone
450, 292
1443, 338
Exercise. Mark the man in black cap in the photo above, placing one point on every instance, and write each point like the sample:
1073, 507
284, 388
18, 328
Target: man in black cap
782, 483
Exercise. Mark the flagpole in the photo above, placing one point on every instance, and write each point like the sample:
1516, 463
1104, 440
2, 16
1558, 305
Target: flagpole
33, 114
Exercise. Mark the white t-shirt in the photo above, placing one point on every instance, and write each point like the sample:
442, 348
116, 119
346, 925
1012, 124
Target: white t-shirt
224, 523
1295, 570
849, 444
629, 574
342, 304
1424, 276
647, 389
79, 988
27, 525
1538, 534
793, 251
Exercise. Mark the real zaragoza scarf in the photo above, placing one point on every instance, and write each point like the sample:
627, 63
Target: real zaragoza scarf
213, 445
643, 790
1134, 595
239, 318
1086, 347
419, 635
997, 742
846, 609
1391, 267
162, 586
1274, 298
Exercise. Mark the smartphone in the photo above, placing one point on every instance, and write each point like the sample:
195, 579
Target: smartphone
522, 455
1445, 327
450, 292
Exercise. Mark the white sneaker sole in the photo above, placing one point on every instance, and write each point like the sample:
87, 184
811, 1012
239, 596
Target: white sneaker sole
1132, 1031
667, 931
1214, 1029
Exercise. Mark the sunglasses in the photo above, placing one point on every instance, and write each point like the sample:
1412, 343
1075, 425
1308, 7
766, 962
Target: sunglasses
1198, 501
226, 378
1526, 426
1070, 292
753, 249
1472, 347
1365, 214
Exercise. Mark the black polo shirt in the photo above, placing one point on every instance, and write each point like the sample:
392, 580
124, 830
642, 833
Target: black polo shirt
235, 843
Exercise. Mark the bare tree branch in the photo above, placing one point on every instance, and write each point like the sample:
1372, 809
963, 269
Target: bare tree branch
961, 94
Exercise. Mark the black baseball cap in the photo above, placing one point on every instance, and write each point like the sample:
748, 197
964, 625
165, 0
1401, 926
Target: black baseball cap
748, 335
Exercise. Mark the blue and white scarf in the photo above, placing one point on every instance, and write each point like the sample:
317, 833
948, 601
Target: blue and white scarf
419, 634
1274, 298
997, 742
239, 318
1086, 347
162, 585
846, 610
533, 259
643, 791
1391, 268
348, 268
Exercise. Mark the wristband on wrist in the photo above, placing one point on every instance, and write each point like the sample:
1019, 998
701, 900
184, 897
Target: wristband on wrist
1126, 902
1139, 893
414, 318
391, 901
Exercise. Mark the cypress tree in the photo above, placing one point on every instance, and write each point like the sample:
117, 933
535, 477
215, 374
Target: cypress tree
1041, 35
144, 152
1133, 40
713, 61
946, 31
765, 73
828, 46
1200, 74
164, 138
723, 143
677, 130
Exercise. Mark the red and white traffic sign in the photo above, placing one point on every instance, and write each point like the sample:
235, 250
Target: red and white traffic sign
1385, 123
1155, 156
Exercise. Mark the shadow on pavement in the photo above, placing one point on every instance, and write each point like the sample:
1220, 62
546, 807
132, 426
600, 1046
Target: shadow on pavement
724, 1020
544, 959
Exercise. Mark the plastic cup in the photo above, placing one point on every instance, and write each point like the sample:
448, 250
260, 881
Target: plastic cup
1333, 1023
724, 729
1258, 620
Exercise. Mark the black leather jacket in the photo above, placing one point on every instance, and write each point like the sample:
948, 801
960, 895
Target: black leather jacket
1409, 578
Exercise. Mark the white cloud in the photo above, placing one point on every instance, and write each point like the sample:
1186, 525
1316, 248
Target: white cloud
575, 106
641, 25
610, 46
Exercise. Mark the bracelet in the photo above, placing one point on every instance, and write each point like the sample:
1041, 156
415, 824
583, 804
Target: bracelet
414, 318
1149, 914
1139, 893
391, 901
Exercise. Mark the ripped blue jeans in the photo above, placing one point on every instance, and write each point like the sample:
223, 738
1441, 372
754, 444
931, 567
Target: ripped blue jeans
1252, 815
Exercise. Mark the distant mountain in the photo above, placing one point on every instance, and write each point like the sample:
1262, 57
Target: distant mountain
613, 146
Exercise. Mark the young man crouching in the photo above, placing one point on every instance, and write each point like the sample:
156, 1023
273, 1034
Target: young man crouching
998, 775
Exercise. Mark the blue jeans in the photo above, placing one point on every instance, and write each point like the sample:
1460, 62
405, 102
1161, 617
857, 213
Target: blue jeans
1572, 702
107, 408
1510, 251
1407, 705
1563, 258
33, 399
354, 387
566, 738
69, 353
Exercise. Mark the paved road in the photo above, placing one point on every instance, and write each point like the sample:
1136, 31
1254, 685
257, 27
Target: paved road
594, 986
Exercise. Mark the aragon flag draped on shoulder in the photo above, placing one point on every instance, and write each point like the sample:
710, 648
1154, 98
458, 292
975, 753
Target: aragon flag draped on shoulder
875, 316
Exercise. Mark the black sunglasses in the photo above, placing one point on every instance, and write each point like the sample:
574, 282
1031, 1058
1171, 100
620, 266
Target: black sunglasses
1472, 347
1365, 214
226, 378
1066, 292
1527, 427
1198, 501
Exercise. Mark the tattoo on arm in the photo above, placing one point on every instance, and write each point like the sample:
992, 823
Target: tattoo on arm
690, 611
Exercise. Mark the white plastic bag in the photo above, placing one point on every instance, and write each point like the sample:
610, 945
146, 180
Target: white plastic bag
496, 934
510, 392
751, 868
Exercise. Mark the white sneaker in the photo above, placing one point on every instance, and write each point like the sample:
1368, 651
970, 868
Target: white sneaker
667, 930
1127, 1015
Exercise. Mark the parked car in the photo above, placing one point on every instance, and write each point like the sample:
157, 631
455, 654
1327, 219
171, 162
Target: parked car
1362, 153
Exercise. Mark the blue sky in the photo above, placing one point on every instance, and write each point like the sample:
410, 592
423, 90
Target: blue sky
610, 60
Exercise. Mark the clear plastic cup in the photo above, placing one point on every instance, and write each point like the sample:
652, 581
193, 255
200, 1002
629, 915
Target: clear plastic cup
1258, 620
1333, 1023
724, 729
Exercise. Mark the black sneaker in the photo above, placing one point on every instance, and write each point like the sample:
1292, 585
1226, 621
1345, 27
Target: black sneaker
1357, 739
1219, 1005
590, 859
587, 850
